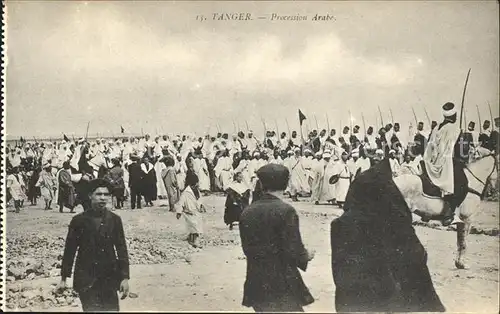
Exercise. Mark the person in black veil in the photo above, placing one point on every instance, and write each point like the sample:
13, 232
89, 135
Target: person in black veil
378, 262
238, 197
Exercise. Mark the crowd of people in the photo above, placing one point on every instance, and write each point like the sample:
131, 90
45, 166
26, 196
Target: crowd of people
321, 166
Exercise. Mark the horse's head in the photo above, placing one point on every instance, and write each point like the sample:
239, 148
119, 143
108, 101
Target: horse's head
482, 168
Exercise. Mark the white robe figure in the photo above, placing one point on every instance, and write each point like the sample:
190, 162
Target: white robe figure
363, 163
16, 186
201, 169
251, 143
158, 150
403, 139
76, 157
342, 186
243, 167
395, 166
298, 177
308, 163
283, 143
353, 166
253, 166
160, 187
235, 147
371, 141
15, 160
276, 161
191, 209
287, 163
322, 190
296, 141
223, 173
180, 170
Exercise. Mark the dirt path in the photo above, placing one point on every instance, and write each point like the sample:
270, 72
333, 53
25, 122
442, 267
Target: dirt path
212, 279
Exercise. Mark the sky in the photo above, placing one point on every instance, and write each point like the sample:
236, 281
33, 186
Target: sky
152, 67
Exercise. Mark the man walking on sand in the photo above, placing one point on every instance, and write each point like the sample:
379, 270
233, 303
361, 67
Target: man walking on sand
271, 241
99, 272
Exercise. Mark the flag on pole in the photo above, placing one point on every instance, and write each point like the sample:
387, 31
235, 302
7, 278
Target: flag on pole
302, 117
22, 139
65, 138
122, 129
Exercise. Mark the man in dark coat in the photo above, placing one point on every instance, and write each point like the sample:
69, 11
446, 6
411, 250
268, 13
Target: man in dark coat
271, 241
134, 182
378, 262
99, 272
148, 183
66, 193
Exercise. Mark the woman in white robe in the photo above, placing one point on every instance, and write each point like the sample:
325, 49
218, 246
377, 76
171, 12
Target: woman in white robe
243, 167
160, 186
223, 172
344, 180
16, 187
190, 207
322, 190
203, 174
47, 184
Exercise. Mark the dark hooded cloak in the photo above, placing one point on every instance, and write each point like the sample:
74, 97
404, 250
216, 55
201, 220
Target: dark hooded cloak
378, 262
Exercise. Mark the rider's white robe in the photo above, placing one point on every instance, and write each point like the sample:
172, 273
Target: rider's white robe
438, 156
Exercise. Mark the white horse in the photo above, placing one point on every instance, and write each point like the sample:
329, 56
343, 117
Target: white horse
479, 172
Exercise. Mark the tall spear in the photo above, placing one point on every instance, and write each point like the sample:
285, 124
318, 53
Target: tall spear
87, 133
264, 124
246, 123
317, 125
381, 118
328, 125
478, 116
350, 122
364, 125
277, 129
491, 115
463, 98
288, 126
392, 117
427, 115
414, 116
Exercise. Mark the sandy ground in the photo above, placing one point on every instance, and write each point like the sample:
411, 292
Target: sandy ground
211, 279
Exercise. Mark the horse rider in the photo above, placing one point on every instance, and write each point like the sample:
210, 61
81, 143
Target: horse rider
445, 159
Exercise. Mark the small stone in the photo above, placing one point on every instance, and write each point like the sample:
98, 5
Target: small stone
30, 294
48, 296
22, 303
69, 300
10, 278
46, 305
60, 300
54, 273
17, 272
31, 276
14, 288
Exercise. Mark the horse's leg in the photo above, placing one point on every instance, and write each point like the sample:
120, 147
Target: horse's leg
463, 229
